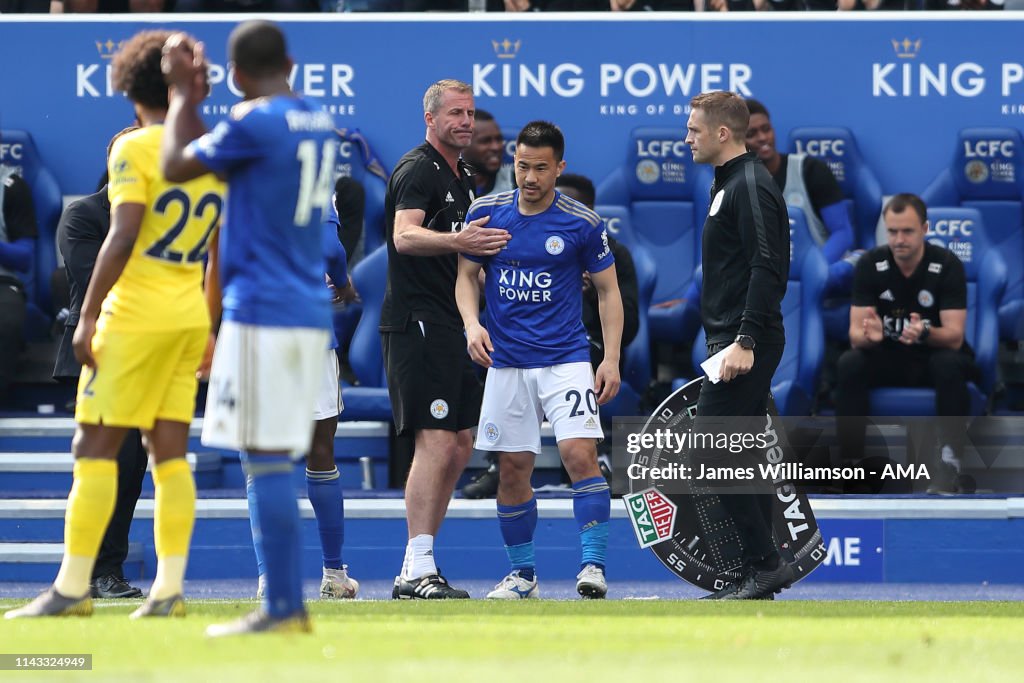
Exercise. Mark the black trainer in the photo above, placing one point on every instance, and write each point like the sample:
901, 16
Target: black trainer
726, 591
429, 587
762, 584
728, 588
113, 586
483, 485
946, 481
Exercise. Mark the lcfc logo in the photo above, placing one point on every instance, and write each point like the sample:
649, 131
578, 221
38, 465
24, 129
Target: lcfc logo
491, 432
554, 245
647, 172
976, 171
439, 409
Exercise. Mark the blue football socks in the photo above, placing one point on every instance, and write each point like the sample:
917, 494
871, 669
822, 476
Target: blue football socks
591, 506
324, 490
274, 515
518, 524
250, 495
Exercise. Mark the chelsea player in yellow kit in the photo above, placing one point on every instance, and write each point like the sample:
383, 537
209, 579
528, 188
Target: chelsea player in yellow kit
141, 338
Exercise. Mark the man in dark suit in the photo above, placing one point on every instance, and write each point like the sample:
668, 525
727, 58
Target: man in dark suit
80, 234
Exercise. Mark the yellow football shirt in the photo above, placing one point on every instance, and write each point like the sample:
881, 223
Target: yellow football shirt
161, 285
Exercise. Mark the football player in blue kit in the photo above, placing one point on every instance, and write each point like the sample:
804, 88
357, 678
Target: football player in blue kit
277, 152
535, 349
323, 480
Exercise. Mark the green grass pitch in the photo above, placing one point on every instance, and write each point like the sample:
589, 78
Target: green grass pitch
540, 641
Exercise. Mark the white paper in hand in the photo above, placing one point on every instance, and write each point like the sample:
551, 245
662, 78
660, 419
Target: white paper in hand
712, 367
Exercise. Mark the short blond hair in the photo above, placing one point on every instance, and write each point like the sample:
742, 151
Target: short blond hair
435, 93
724, 109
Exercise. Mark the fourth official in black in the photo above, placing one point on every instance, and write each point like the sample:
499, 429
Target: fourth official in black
745, 255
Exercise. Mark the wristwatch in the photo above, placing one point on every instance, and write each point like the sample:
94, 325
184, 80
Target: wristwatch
745, 341
926, 330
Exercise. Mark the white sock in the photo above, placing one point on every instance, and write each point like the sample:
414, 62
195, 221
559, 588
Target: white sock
170, 577
73, 577
949, 457
420, 553
405, 562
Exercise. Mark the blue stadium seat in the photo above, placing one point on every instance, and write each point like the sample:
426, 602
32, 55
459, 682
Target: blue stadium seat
355, 160
838, 148
636, 366
509, 135
986, 280
987, 174
656, 183
369, 400
795, 384
618, 224
19, 151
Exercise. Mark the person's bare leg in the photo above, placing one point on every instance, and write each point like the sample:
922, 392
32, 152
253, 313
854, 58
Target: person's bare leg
439, 459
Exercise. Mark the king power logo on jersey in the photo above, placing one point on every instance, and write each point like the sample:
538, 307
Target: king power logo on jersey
525, 285
653, 516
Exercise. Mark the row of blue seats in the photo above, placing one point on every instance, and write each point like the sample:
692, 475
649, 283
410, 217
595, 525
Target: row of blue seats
665, 198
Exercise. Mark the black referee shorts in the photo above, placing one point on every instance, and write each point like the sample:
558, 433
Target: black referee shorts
431, 380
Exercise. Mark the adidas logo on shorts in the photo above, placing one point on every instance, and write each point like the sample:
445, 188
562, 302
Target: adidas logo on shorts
591, 423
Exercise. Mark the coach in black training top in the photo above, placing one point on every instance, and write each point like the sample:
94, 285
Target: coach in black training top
745, 256
433, 388
424, 180
907, 326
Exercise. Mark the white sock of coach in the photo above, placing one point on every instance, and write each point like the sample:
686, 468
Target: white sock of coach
420, 552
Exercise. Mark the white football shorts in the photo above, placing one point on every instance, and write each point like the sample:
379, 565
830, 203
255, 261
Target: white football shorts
328, 395
263, 387
517, 399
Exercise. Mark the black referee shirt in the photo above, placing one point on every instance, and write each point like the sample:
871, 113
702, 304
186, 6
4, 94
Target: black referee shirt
745, 254
423, 287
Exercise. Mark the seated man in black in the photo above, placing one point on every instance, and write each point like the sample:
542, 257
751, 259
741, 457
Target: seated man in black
17, 251
907, 329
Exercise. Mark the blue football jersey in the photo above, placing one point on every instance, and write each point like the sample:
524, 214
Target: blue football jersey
534, 285
277, 154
